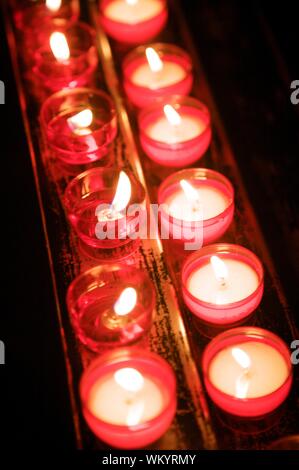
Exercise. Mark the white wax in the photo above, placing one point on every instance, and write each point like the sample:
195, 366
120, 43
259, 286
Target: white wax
123, 12
267, 372
170, 74
163, 131
212, 202
113, 404
242, 281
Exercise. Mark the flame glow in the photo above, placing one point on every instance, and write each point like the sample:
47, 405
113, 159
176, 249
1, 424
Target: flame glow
80, 122
129, 379
242, 386
135, 414
241, 358
132, 2
172, 115
53, 5
189, 190
219, 268
154, 61
123, 193
126, 301
59, 47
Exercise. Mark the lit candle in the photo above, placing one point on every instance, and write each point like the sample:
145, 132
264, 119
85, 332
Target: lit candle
133, 21
247, 371
196, 203
222, 284
128, 396
156, 71
106, 310
79, 125
175, 132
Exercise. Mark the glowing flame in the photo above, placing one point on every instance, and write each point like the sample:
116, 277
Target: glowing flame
135, 414
220, 269
192, 196
132, 2
129, 379
154, 61
53, 5
126, 301
59, 47
241, 357
123, 193
80, 122
172, 115
242, 384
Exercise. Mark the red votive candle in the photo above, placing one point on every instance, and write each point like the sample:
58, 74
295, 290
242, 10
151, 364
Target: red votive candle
79, 125
156, 71
128, 397
247, 371
67, 60
176, 131
111, 305
105, 207
133, 21
196, 204
223, 283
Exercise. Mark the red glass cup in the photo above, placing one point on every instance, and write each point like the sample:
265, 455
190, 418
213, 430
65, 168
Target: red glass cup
88, 201
243, 266
70, 143
144, 91
126, 27
270, 369
111, 305
212, 218
175, 145
128, 397
78, 70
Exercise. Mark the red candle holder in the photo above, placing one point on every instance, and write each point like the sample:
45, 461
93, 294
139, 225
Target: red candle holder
144, 86
128, 397
133, 22
179, 142
200, 213
76, 69
263, 361
79, 125
93, 201
111, 305
221, 298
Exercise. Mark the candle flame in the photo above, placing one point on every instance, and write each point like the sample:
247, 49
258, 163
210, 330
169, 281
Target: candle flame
132, 2
126, 301
129, 379
80, 122
241, 357
220, 269
123, 193
192, 196
242, 386
53, 5
135, 414
172, 115
154, 61
59, 46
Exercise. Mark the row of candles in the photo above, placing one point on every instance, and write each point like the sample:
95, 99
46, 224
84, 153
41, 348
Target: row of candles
128, 394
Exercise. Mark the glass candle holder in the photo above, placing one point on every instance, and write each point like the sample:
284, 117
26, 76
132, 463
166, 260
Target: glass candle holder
247, 371
156, 71
133, 22
128, 397
111, 305
175, 132
79, 125
196, 206
68, 59
105, 207
223, 283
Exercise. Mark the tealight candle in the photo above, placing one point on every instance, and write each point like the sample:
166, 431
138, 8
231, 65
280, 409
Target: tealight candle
133, 21
222, 284
98, 204
196, 204
68, 60
111, 305
156, 71
79, 125
247, 371
128, 397
176, 131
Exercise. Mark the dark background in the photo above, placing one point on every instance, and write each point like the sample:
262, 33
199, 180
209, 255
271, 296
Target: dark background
250, 52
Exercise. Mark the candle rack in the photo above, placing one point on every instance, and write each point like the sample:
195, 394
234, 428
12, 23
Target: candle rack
197, 425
